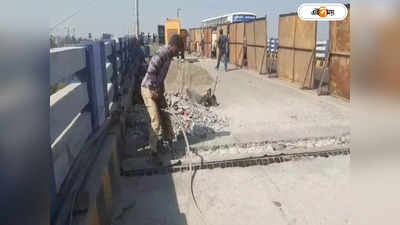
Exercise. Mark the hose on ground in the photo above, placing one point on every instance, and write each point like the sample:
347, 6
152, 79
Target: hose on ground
189, 153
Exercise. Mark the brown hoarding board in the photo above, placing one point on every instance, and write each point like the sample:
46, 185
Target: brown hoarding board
339, 84
232, 32
236, 43
192, 35
239, 54
339, 67
239, 32
251, 58
232, 45
305, 34
256, 34
251, 49
301, 61
340, 36
209, 32
286, 31
261, 42
305, 40
198, 35
261, 66
260, 34
297, 39
285, 64
232, 53
208, 41
250, 33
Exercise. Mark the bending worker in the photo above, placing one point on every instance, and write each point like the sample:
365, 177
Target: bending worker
153, 95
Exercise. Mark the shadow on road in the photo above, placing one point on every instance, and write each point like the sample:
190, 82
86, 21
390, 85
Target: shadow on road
147, 199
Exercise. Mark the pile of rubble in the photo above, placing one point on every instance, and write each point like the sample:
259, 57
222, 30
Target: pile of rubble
196, 119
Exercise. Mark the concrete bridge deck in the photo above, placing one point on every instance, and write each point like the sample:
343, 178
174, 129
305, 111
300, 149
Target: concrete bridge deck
309, 191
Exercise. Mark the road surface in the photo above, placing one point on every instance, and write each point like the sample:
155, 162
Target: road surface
307, 191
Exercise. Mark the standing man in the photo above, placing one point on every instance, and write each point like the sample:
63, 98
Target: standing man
222, 47
202, 46
153, 95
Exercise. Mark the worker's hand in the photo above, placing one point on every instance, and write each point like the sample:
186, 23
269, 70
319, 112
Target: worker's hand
155, 95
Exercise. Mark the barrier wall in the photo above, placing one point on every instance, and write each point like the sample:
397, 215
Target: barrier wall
208, 34
232, 44
86, 170
339, 67
245, 39
196, 34
248, 43
256, 43
297, 40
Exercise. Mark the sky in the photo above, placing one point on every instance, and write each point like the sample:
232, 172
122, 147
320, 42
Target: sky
117, 16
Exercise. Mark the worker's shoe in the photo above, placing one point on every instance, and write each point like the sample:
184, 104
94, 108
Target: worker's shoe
163, 147
167, 144
155, 159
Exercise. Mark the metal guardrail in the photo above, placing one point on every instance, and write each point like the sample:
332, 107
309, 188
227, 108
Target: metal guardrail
94, 74
89, 72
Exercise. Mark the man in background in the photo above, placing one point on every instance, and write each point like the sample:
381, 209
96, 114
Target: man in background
222, 44
153, 95
202, 47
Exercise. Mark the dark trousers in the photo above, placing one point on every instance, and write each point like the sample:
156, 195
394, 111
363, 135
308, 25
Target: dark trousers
223, 53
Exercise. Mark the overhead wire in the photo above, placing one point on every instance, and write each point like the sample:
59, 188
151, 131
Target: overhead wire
90, 2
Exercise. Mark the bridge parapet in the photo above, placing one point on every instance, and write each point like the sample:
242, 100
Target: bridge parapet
93, 77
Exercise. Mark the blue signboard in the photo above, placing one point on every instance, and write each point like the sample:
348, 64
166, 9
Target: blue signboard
243, 18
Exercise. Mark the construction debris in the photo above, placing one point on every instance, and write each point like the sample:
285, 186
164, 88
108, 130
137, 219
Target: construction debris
208, 99
257, 149
197, 119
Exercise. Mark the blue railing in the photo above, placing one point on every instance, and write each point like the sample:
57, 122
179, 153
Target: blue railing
93, 75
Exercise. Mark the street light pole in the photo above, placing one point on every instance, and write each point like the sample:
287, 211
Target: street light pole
137, 18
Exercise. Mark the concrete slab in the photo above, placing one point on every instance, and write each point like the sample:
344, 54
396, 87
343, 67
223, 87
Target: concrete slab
309, 191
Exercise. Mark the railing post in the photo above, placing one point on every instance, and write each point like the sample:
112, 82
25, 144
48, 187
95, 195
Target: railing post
97, 86
121, 56
114, 77
105, 79
53, 190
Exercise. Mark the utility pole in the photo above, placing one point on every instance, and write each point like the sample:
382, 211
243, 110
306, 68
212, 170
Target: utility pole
137, 18
177, 12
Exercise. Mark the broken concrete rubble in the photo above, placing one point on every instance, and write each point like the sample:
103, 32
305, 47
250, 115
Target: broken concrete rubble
196, 119
237, 151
